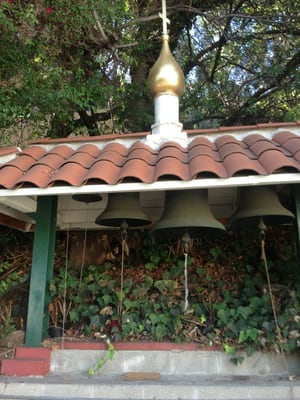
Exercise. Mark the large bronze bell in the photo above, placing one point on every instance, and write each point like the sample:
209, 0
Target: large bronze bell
123, 210
260, 202
187, 212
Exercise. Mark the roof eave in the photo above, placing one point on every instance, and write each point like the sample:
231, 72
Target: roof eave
207, 183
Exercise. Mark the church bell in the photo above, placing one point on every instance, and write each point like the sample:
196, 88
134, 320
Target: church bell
123, 210
187, 212
257, 203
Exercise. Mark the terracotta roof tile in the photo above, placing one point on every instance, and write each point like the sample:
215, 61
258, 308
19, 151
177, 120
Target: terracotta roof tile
8, 150
23, 162
203, 164
36, 152
171, 168
173, 152
220, 153
70, 173
202, 141
292, 145
143, 154
102, 171
297, 155
273, 161
90, 149
136, 170
9, 175
254, 138
62, 151
225, 140
112, 156
38, 176
195, 151
83, 159
52, 160
233, 148
261, 146
117, 147
283, 136
238, 163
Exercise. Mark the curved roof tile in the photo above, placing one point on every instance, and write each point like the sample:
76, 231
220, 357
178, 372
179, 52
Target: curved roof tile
203, 150
62, 150
238, 163
37, 176
23, 162
224, 140
171, 167
114, 159
112, 156
90, 149
81, 158
9, 175
292, 145
138, 170
143, 154
260, 146
283, 136
255, 137
52, 160
273, 161
202, 141
233, 147
36, 152
202, 164
117, 147
173, 152
71, 173
103, 171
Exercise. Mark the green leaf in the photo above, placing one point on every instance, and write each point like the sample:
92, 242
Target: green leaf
244, 311
165, 285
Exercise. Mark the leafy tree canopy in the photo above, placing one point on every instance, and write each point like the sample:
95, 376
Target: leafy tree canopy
80, 66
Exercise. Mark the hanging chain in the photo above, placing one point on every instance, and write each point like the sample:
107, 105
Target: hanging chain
278, 330
125, 250
82, 259
186, 287
186, 240
65, 288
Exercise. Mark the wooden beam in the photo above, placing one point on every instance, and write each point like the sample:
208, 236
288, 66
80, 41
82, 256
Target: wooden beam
41, 271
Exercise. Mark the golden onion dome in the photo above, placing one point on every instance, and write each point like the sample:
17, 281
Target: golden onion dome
166, 76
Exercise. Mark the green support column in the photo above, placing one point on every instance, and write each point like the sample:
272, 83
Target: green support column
297, 206
41, 270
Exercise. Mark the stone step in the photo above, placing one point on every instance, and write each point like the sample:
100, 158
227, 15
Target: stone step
166, 388
25, 367
28, 361
179, 361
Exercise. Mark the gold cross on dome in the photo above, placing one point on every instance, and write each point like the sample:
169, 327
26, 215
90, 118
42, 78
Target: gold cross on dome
164, 18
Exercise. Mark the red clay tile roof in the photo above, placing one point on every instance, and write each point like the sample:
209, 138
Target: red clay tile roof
113, 159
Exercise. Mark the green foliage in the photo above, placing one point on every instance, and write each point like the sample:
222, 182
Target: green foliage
102, 360
82, 68
229, 301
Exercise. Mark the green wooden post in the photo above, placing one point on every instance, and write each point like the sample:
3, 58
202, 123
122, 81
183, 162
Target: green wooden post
297, 206
41, 270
